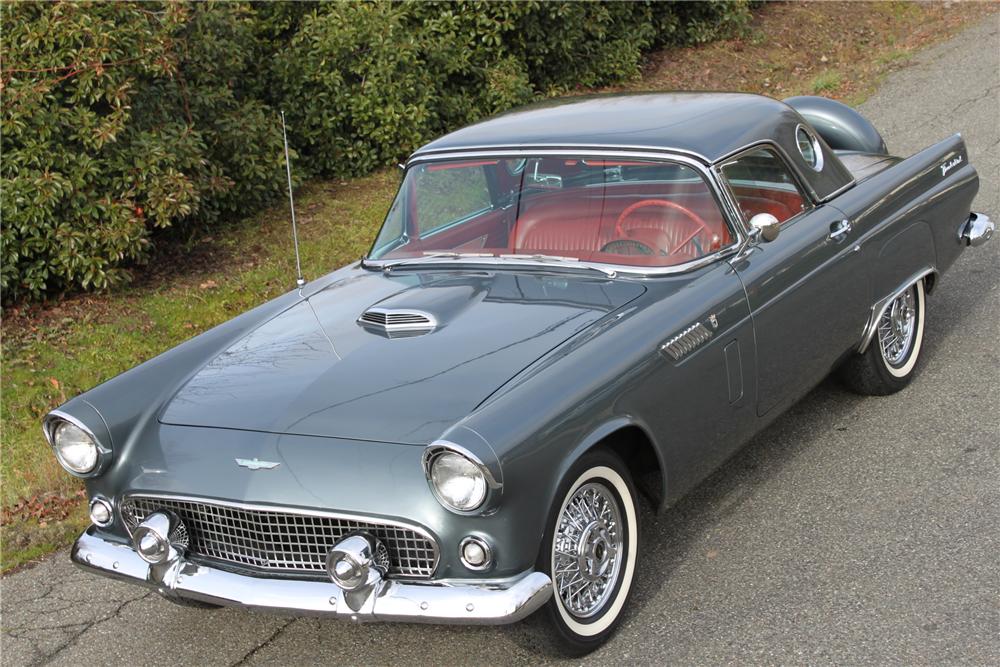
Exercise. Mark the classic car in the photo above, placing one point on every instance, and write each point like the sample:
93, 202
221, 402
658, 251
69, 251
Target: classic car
566, 306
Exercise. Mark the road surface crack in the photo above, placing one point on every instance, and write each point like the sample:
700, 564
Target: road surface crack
86, 627
264, 644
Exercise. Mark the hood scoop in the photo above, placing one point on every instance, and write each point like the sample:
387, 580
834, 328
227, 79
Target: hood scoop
397, 323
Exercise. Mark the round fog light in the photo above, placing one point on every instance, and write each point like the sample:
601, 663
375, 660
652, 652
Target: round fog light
100, 512
351, 561
476, 553
151, 547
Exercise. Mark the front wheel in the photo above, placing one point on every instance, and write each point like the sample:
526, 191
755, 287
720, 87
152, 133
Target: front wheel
590, 551
889, 363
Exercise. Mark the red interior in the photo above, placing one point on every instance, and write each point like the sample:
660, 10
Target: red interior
782, 204
579, 224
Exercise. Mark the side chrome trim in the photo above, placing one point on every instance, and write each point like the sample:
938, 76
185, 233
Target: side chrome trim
687, 341
104, 453
460, 601
879, 307
977, 230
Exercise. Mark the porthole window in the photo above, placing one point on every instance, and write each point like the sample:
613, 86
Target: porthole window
809, 148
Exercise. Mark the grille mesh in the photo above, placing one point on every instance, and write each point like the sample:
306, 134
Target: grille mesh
281, 541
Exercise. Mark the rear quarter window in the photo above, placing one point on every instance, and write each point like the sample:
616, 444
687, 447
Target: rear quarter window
762, 183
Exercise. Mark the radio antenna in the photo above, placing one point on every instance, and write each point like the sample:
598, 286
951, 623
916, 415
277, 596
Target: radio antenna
299, 280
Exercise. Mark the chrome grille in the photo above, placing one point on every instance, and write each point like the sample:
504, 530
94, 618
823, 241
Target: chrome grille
277, 540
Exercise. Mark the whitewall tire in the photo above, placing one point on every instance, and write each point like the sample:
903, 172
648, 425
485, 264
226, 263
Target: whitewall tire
889, 363
590, 551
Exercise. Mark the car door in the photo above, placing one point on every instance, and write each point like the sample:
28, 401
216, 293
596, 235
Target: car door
807, 289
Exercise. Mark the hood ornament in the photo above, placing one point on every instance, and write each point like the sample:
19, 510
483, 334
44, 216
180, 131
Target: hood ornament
257, 464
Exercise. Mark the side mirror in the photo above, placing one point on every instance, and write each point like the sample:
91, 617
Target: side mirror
765, 226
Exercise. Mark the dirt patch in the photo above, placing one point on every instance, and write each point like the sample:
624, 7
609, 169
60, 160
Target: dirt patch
834, 49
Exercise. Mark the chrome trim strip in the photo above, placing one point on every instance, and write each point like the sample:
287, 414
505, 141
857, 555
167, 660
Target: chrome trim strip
435, 153
466, 602
285, 509
104, 453
879, 307
734, 223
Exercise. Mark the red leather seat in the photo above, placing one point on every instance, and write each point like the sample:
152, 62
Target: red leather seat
577, 224
563, 224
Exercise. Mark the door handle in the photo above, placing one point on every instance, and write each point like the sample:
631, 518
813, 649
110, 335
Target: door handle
840, 229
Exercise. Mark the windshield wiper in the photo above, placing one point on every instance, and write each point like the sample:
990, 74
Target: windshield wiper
573, 262
443, 257
429, 257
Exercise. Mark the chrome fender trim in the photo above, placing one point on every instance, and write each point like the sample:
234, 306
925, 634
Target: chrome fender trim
879, 308
977, 230
456, 601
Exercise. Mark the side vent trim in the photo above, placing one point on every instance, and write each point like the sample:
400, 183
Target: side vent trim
686, 341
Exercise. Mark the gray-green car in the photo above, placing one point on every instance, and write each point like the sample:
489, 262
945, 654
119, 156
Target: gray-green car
566, 305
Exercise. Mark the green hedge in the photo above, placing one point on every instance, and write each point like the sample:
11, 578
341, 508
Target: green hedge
122, 119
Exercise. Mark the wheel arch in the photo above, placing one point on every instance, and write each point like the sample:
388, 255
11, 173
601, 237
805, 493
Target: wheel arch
928, 274
632, 441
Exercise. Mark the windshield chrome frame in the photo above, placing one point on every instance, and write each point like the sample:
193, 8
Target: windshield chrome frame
732, 220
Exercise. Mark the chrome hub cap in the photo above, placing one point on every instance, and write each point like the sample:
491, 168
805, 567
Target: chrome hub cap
587, 550
896, 328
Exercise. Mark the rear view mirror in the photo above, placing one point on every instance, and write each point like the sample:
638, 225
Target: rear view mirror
766, 226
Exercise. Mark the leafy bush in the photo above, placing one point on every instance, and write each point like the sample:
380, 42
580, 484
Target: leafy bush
121, 119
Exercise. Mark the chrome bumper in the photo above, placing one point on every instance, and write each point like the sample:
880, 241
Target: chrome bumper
455, 602
977, 230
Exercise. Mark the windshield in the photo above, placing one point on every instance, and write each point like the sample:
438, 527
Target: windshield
614, 211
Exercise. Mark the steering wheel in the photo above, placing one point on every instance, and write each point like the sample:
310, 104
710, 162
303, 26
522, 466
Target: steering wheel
663, 203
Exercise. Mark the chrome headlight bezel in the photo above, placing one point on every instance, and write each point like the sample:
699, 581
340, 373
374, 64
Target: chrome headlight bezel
53, 421
433, 453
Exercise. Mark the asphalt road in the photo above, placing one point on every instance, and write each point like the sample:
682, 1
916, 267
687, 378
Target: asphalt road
851, 531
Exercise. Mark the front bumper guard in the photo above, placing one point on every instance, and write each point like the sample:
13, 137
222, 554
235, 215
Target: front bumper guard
454, 602
977, 230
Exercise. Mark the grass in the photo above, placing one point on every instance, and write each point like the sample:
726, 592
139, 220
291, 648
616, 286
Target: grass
827, 81
53, 351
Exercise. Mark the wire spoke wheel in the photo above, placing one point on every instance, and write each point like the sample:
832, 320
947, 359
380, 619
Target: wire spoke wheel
587, 551
896, 328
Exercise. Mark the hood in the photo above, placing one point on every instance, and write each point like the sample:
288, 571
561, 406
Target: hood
315, 370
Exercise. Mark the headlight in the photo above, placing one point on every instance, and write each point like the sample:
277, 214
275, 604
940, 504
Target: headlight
75, 448
459, 482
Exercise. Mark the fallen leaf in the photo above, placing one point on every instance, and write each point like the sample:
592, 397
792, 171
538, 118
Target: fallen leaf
208, 284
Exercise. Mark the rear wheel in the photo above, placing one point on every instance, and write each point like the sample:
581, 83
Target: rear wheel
590, 551
889, 363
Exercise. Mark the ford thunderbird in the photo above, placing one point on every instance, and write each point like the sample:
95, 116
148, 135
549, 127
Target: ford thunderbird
566, 306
